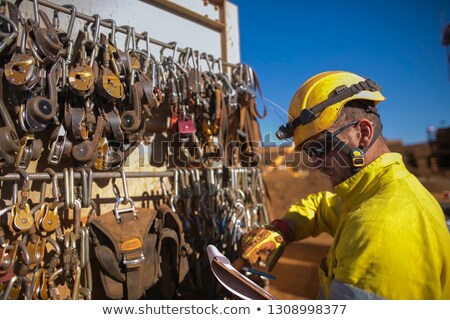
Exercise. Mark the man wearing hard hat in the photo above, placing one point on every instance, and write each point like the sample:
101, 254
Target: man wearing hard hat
390, 236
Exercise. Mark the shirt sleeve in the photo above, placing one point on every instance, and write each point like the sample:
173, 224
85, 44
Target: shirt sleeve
315, 214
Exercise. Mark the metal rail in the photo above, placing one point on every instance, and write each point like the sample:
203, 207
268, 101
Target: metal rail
95, 175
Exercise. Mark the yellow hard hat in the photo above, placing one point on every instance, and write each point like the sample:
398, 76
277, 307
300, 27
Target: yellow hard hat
317, 103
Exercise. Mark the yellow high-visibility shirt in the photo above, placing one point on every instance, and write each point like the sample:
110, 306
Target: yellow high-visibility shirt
390, 236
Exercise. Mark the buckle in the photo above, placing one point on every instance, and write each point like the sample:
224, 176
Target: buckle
138, 260
357, 156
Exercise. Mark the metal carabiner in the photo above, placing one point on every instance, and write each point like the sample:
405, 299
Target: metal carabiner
41, 198
209, 172
147, 54
164, 192
196, 186
173, 45
25, 253
84, 188
85, 263
25, 192
54, 181
125, 200
189, 191
36, 21
147, 43
69, 193
8, 288
128, 37
55, 258
95, 43
52, 289
93, 212
213, 64
184, 57
112, 35
77, 218
73, 12
204, 56
86, 293
8, 39
126, 197
174, 48
133, 40
66, 187
89, 185
234, 179
175, 189
84, 252
95, 28
15, 192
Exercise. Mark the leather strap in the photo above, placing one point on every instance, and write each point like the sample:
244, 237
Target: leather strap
257, 86
74, 120
185, 249
134, 278
7, 120
113, 124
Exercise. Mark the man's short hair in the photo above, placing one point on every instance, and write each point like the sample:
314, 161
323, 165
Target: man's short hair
355, 110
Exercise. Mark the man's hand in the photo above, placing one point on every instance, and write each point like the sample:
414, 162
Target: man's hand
265, 244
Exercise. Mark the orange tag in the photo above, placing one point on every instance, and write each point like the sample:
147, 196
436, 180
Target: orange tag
131, 244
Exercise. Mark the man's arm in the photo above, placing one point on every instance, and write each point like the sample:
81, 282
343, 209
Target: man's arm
314, 214
309, 217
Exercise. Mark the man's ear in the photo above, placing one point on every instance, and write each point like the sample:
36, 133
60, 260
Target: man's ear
366, 129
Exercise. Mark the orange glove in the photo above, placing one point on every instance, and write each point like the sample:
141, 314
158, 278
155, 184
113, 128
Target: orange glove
265, 244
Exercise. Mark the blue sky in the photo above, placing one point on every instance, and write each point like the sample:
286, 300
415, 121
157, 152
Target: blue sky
395, 43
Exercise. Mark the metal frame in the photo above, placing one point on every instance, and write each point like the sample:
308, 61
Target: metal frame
219, 26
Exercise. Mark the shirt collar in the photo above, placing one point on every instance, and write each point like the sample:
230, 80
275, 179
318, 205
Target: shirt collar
371, 176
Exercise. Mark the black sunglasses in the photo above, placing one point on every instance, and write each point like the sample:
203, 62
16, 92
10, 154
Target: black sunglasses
320, 148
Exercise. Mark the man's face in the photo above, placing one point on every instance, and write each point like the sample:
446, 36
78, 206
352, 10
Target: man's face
329, 157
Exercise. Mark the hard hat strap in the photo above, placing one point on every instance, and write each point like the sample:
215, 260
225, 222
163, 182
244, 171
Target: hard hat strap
357, 155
